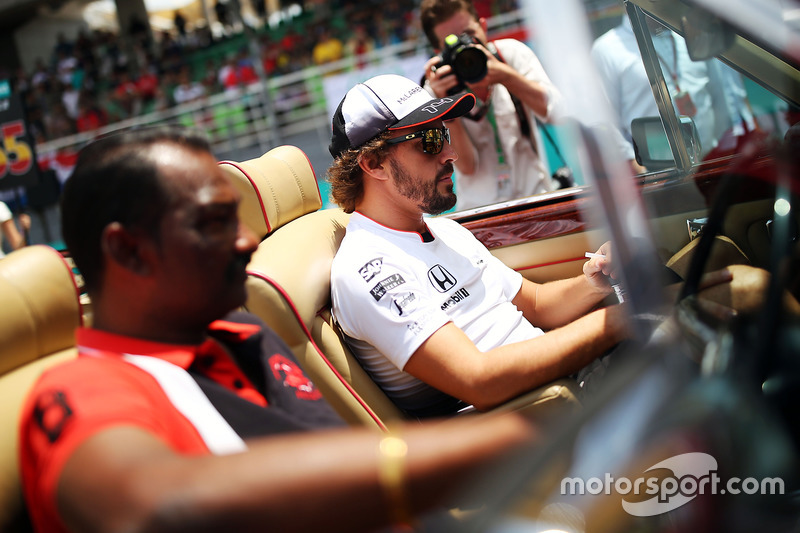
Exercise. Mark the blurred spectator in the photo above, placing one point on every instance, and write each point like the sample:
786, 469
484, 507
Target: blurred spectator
69, 96
398, 17
180, 24
83, 45
139, 31
227, 71
359, 45
223, 15
245, 71
162, 99
210, 79
295, 51
19, 80
328, 48
15, 238
57, 122
387, 35
271, 56
200, 37
237, 72
65, 64
171, 52
40, 74
187, 90
35, 119
291, 40
63, 46
125, 94
90, 115
146, 85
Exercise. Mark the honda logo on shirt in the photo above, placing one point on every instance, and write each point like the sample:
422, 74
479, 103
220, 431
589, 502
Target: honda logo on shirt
441, 279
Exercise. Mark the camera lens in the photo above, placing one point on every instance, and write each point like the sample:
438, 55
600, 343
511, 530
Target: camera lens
470, 64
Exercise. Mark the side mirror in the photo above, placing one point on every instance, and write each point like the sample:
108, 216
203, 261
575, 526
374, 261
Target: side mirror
706, 36
652, 145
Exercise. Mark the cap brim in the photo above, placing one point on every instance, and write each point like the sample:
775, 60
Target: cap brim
446, 108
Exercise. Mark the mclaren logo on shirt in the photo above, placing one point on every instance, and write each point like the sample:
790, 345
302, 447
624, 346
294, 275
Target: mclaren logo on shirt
384, 285
371, 269
441, 279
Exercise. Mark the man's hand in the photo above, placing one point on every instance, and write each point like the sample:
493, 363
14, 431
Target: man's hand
24, 221
496, 72
600, 267
441, 78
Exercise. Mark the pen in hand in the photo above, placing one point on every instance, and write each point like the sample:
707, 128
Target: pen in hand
614, 283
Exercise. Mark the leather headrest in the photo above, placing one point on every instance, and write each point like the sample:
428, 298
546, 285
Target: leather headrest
41, 306
276, 188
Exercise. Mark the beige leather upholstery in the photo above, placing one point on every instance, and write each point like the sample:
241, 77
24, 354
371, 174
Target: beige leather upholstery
289, 288
38, 316
289, 276
724, 252
276, 188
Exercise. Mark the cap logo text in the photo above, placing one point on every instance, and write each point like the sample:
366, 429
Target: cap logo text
409, 94
434, 106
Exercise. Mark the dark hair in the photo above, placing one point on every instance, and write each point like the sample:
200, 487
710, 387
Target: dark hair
433, 12
345, 175
116, 180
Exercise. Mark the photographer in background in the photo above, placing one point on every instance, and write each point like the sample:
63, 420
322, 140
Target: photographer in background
500, 151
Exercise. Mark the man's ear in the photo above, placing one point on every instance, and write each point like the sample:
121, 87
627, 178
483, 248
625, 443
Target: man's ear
373, 166
125, 248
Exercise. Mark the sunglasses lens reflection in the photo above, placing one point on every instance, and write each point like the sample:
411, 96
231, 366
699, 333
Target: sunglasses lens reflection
433, 140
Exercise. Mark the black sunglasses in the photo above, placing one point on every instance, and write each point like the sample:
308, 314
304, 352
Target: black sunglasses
432, 139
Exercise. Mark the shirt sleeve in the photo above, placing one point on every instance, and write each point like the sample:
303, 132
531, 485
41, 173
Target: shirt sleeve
5, 213
69, 404
391, 311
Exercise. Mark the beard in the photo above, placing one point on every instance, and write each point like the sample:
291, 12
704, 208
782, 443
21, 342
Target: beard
425, 193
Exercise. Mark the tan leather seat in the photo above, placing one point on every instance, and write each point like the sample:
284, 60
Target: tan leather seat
289, 285
289, 277
38, 316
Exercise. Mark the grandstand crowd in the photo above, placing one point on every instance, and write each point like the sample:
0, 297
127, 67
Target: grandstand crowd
97, 78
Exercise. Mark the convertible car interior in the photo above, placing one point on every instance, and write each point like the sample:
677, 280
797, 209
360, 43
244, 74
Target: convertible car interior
289, 286
721, 384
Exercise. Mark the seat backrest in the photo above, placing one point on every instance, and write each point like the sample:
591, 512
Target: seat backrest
289, 277
276, 188
39, 314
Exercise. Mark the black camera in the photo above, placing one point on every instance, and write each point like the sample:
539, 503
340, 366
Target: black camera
467, 60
